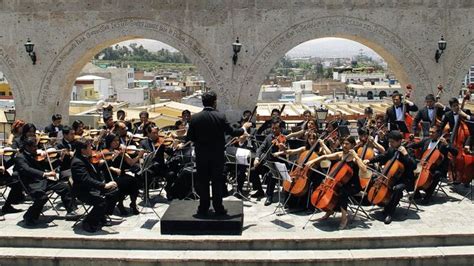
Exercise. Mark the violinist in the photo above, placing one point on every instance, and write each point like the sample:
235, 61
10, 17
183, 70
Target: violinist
185, 118
55, 128
452, 117
429, 113
16, 192
121, 130
441, 170
119, 166
273, 143
139, 127
243, 143
39, 178
339, 119
268, 124
78, 127
380, 134
331, 136
180, 129
307, 116
121, 117
17, 128
310, 128
368, 113
406, 181
109, 123
245, 118
90, 187
352, 187
28, 131
67, 147
396, 112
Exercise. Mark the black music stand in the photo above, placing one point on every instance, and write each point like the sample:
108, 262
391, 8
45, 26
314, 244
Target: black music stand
343, 131
231, 156
192, 195
148, 162
279, 177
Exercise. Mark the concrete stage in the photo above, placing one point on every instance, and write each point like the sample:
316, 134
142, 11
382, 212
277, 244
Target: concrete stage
441, 233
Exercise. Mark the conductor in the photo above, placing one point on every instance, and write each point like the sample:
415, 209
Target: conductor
207, 130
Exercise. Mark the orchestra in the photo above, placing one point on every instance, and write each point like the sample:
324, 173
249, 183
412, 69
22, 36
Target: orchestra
402, 152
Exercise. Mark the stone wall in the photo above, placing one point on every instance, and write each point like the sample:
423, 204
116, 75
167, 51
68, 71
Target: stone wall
68, 33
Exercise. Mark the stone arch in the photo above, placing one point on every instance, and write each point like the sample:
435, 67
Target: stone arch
370, 95
57, 84
382, 94
401, 58
8, 67
458, 69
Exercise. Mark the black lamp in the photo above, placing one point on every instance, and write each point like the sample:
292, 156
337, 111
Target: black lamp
29, 46
321, 115
10, 115
441, 47
236, 46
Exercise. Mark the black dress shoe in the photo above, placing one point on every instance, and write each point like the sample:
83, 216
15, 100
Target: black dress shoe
388, 219
258, 194
133, 209
30, 222
122, 209
10, 209
201, 212
268, 201
72, 216
221, 212
89, 228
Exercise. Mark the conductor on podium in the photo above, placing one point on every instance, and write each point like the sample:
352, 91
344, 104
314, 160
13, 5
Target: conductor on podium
207, 131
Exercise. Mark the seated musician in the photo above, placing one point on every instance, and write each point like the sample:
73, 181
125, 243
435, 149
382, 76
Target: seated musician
121, 117
429, 113
139, 127
339, 119
119, 163
109, 124
352, 187
469, 145
310, 127
380, 134
17, 128
67, 146
54, 129
263, 129
121, 130
395, 112
368, 115
265, 152
180, 129
406, 181
28, 131
243, 143
331, 136
453, 116
245, 117
39, 181
89, 186
78, 127
365, 138
441, 170
307, 116
16, 191
185, 118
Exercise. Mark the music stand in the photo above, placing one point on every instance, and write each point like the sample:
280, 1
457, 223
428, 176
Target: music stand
232, 156
192, 165
343, 131
279, 176
402, 126
147, 164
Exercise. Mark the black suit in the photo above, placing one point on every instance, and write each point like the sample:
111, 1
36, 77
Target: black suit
448, 118
406, 181
207, 130
89, 187
268, 124
12, 181
423, 116
31, 173
391, 115
65, 167
361, 122
51, 130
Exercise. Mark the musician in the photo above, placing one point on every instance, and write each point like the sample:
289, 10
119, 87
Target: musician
54, 129
90, 187
245, 118
180, 129
109, 123
121, 130
265, 152
365, 138
368, 113
118, 166
339, 119
185, 118
207, 130
429, 113
121, 117
395, 112
307, 116
442, 169
352, 187
78, 127
17, 128
309, 128
241, 142
406, 181
67, 147
469, 145
38, 181
452, 117
139, 127
380, 135
331, 139
16, 192
28, 131
268, 124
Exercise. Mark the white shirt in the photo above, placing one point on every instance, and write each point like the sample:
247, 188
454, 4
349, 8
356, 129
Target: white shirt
432, 145
399, 113
431, 113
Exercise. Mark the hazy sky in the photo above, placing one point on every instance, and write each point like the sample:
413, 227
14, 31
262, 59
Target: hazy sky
324, 47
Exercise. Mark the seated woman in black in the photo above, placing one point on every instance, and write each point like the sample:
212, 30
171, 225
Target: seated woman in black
118, 165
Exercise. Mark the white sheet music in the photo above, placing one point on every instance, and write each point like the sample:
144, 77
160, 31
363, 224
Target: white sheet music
10, 170
241, 156
281, 167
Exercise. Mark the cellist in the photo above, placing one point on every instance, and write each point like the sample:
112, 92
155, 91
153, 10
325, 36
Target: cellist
395, 139
442, 170
396, 112
365, 138
453, 116
350, 188
429, 113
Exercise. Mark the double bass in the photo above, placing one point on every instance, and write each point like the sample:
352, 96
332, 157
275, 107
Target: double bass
408, 117
325, 196
380, 192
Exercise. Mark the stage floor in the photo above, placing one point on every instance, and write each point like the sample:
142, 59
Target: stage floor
445, 215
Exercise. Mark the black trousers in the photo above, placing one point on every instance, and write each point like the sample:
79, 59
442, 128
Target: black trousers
16, 190
210, 168
40, 198
257, 184
102, 204
397, 194
128, 185
437, 175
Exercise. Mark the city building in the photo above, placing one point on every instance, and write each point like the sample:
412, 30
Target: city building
119, 77
371, 90
91, 87
134, 96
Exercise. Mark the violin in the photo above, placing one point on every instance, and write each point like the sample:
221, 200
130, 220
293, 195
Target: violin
41, 155
7, 151
280, 139
132, 149
325, 196
99, 155
380, 192
166, 140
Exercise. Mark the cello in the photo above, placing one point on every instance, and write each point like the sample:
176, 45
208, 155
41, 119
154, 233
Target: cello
299, 174
431, 159
380, 192
325, 196
365, 153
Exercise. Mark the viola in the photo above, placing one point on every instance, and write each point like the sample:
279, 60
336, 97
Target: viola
325, 196
380, 192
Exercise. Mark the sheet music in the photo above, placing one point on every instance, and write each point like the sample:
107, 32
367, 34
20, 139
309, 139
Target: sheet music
241, 156
10, 170
281, 167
